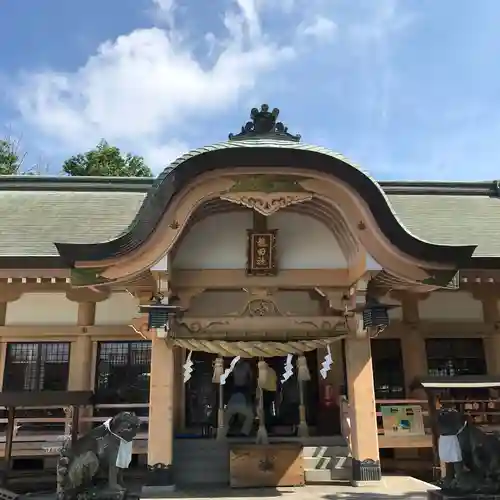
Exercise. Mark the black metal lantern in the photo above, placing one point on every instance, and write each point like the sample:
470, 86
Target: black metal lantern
159, 313
375, 314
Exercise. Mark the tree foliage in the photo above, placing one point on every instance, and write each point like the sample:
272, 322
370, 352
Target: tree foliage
10, 158
106, 160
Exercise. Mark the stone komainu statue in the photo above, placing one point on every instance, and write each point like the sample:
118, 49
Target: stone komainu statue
473, 465
96, 451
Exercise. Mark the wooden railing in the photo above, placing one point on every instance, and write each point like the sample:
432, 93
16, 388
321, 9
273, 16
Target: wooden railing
35, 436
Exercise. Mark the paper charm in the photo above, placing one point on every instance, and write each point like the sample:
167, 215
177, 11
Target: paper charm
188, 367
327, 363
288, 368
228, 371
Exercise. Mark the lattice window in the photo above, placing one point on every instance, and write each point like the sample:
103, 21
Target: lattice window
450, 357
31, 366
122, 373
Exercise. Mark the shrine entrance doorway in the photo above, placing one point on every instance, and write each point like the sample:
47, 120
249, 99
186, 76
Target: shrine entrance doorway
281, 406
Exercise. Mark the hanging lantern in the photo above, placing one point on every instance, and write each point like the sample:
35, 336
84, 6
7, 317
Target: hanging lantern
375, 313
160, 312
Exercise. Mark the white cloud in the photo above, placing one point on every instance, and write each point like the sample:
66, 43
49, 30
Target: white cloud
146, 85
321, 28
164, 12
136, 88
160, 155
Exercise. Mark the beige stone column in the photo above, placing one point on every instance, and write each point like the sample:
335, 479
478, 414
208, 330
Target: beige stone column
161, 416
361, 394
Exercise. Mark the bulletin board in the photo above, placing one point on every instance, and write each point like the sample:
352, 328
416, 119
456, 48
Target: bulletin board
403, 420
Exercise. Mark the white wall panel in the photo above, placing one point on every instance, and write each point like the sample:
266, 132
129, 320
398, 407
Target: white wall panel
220, 242
42, 309
119, 309
451, 306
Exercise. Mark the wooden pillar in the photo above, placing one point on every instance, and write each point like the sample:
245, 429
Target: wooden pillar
3, 313
3, 355
412, 343
86, 313
3, 345
179, 391
361, 394
161, 418
491, 316
80, 363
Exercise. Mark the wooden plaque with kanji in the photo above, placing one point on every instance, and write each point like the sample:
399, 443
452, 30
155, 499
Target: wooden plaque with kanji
262, 253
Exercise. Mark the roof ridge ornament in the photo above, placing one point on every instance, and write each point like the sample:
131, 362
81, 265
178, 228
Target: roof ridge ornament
264, 124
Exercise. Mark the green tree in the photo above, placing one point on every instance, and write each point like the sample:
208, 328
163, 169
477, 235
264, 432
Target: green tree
106, 160
10, 158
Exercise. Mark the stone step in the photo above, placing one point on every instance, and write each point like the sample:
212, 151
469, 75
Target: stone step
337, 462
201, 454
312, 476
317, 462
325, 451
199, 445
201, 468
206, 462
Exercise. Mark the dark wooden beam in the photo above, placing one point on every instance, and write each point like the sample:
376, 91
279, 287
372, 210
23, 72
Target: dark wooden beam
259, 222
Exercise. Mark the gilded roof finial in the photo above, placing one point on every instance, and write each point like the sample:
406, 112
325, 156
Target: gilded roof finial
264, 124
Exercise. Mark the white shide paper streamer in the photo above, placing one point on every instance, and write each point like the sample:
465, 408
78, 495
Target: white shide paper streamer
327, 363
228, 371
288, 368
188, 367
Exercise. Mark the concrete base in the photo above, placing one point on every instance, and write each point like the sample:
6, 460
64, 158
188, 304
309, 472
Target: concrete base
364, 484
157, 491
390, 488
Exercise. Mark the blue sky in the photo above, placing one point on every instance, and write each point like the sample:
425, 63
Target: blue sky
407, 89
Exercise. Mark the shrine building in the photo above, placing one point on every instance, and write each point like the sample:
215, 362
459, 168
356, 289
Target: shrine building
258, 305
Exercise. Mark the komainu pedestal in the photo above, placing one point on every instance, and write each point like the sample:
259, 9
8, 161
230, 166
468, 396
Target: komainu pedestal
472, 459
449, 495
99, 451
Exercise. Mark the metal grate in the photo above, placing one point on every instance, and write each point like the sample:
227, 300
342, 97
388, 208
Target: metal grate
122, 373
37, 366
